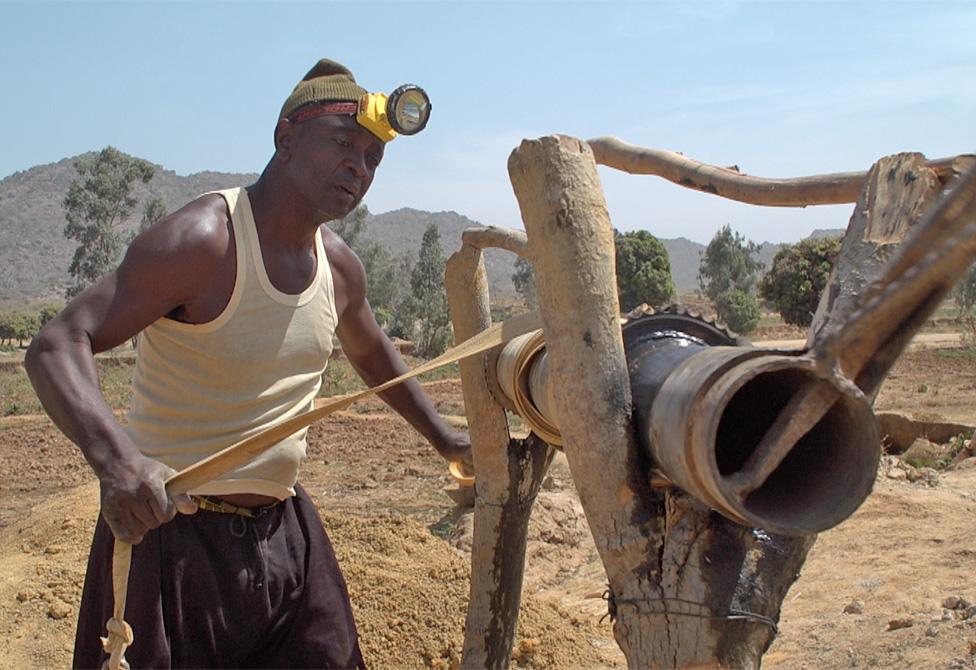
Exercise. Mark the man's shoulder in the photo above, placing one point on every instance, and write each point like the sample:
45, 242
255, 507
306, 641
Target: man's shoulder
339, 253
201, 227
347, 270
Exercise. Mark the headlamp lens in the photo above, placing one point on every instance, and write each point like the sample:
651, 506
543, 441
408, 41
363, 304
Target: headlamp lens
408, 109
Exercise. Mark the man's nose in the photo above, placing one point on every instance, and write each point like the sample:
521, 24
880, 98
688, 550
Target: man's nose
357, 163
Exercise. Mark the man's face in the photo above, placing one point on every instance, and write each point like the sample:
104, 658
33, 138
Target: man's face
332, 161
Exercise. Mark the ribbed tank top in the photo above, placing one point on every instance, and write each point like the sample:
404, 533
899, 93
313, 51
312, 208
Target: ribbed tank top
199, 388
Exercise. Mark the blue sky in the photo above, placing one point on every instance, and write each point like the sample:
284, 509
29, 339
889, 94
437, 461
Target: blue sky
780, 88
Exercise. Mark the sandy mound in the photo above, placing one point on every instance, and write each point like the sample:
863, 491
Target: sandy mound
409, 589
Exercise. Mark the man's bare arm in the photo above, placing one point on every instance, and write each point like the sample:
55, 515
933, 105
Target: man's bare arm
157, 275
376, 360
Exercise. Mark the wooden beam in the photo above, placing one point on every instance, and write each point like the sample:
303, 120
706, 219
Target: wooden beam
728, 182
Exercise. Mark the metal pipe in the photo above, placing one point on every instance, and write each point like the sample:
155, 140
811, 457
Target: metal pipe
760, 436
708, 429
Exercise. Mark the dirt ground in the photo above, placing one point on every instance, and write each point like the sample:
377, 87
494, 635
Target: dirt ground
896, 564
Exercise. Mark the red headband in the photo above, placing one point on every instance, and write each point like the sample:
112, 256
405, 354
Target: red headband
311, 111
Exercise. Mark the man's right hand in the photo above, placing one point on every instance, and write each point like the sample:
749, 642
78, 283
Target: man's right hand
134, 498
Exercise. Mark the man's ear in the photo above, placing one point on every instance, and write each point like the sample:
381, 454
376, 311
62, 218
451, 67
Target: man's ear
283, 137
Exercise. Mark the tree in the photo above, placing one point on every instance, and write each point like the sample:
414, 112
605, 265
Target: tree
727, 275
20, 326
95, 207
351, 226
643, 270
47, 312
965, 292
385, 277
432, 329
797, 278
728, 263
524, 280
154, 210
6, 327
739, 310
404, 308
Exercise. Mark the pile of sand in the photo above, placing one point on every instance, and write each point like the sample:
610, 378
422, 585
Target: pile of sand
409, 590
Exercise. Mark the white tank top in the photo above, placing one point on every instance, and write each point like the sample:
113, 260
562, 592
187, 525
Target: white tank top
201, 387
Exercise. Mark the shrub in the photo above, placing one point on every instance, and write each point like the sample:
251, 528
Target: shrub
643, 270
797, 278
739, 310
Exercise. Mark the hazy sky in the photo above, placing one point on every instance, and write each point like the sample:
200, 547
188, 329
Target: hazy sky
781, 89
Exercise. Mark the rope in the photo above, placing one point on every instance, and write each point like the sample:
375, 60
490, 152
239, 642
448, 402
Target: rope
120, 634
659, 607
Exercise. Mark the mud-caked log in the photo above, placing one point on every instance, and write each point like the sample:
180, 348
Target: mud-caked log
509, 473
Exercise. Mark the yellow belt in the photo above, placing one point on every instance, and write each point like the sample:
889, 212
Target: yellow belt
224, 507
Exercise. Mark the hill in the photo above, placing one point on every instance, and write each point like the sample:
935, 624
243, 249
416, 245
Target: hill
402, 230
34, 254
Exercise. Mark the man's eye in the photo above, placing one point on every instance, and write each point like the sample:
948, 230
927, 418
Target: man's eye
373, 160
343, 142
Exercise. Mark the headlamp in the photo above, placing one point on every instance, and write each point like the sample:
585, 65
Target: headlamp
405, 111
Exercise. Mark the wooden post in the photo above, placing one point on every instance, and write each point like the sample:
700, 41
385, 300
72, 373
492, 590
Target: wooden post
571, 242
688, 587
881, 290
509, 473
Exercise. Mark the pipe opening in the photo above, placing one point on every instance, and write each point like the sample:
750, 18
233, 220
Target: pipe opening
827, 473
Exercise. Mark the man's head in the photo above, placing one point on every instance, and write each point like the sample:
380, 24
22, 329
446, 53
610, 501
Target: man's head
329, 158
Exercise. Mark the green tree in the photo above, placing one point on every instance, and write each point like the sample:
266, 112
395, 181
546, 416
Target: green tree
727, 275
351, 226
524, 280
385, 278
95, 207
154, 210
643, 270
6, 327
739, 310
47, 312
965, 292
20, 326
727, 263
797, 278
432, 327
404, 307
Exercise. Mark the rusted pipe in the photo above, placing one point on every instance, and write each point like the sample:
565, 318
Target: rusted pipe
757, 435
706, 430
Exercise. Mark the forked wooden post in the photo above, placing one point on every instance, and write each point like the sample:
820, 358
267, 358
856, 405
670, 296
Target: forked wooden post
509, 471
571, 242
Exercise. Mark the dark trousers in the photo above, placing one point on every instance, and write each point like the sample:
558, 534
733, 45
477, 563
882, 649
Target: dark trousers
216, 590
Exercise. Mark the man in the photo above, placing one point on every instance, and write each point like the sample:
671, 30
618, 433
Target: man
237, 296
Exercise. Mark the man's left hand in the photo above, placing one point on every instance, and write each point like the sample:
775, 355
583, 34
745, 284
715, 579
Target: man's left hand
455, 447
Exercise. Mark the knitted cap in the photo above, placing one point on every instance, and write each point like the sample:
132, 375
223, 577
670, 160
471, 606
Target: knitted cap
326, 81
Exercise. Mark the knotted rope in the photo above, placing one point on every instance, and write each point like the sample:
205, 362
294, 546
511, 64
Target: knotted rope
120, 634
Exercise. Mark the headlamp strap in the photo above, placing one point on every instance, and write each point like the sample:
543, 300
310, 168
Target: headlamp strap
311, 111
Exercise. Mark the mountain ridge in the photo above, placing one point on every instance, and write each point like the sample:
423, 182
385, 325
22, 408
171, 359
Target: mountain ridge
34, 254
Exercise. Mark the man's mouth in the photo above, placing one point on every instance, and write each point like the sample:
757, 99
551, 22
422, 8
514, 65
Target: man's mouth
349, 190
